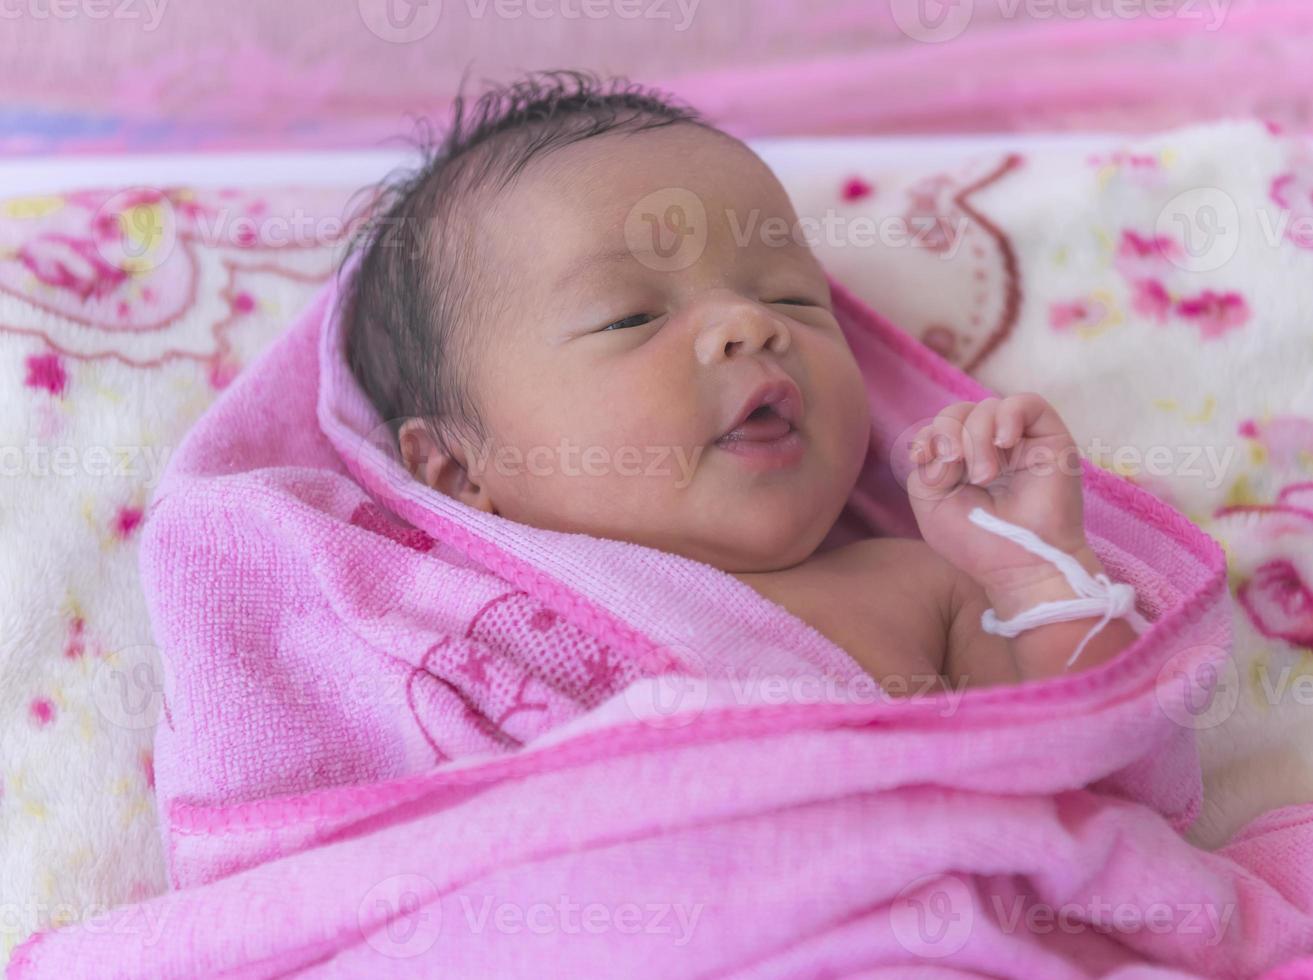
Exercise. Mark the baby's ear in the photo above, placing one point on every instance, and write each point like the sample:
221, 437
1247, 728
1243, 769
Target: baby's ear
446, 472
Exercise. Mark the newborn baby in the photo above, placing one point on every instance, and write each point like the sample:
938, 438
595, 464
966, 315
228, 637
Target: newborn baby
508, 297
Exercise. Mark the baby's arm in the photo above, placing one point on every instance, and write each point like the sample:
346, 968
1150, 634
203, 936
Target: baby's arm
909, 617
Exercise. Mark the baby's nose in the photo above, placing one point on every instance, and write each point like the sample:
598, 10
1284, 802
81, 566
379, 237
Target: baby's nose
738, 327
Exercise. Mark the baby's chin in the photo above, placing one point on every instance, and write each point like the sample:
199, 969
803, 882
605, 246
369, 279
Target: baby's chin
767, 537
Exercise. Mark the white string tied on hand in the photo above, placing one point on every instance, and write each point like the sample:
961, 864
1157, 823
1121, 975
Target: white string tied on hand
1098, 594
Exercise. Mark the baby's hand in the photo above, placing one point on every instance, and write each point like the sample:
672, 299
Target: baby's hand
1014, 458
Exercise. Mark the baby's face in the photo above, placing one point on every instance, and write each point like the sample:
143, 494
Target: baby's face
618, 432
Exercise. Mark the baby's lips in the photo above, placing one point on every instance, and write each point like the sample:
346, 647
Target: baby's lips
765, 429
781, 394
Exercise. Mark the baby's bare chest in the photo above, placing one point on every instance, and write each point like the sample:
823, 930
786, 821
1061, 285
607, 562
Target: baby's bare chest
885, 601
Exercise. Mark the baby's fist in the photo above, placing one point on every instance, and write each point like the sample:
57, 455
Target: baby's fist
1014, 458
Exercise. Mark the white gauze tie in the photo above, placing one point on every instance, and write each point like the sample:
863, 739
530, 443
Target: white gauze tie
1099, 595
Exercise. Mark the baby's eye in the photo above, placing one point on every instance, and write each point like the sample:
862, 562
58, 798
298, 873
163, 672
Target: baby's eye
794, 301
636, 320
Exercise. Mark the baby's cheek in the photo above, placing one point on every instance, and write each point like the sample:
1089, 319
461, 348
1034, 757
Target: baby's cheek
859, 414
619, 427
847, 418
582, 468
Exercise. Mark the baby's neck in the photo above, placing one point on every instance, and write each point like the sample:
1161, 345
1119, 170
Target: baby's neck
848, 528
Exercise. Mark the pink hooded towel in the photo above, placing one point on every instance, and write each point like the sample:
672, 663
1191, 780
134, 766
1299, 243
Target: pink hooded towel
404, 737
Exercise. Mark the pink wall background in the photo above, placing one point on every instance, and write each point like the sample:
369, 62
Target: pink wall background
252, 73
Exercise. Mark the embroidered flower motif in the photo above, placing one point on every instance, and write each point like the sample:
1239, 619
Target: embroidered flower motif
1062, 316
1139, 246
1279, 603
1136, 168
41, 712
76, 645
1293, 193
1150, 298
927, 218
1142, 257
1084, 315
1277, 597
117, 273
74, 265
46, 371
1215, 313
1287, 439
125, 522
854, 189
221, 371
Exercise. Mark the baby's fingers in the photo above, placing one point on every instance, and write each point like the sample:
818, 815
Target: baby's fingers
933, 443
982, 457
938, 449
942, 437
1025, 415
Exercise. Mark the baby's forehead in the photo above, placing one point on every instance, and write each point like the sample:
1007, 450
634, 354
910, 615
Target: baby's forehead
588, 190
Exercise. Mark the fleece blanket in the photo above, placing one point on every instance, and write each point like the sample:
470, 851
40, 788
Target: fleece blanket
123, 313
403, 736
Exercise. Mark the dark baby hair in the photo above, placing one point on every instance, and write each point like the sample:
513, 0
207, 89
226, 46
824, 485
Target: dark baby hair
414, 277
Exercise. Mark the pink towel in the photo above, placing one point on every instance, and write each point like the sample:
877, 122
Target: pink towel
404, 737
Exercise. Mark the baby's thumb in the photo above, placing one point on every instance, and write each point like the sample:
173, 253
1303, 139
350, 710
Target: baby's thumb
934, 480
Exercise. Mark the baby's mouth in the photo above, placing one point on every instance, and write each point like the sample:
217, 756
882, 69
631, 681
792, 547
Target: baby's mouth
764, 435
768, 414
764, 424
